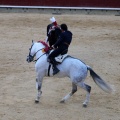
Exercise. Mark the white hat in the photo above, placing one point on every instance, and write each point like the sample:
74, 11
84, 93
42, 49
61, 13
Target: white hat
53, 21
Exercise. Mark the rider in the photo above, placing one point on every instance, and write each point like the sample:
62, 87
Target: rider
61, 46
53, 31
52, 25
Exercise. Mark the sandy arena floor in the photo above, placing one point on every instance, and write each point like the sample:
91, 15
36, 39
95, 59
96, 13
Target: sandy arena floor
96, 41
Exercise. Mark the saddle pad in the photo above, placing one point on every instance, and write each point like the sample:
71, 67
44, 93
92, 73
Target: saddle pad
60, 58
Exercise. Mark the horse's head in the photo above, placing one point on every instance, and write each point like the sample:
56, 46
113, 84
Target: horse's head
31, 55
53, 34
39, 47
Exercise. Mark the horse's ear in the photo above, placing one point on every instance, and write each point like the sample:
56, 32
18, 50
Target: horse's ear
32, 41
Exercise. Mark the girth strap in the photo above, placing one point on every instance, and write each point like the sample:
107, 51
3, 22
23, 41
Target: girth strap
49, 69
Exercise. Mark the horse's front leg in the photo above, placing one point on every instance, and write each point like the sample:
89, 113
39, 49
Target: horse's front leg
38, 87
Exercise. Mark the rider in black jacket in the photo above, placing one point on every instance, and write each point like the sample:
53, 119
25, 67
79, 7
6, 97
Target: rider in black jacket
61, 46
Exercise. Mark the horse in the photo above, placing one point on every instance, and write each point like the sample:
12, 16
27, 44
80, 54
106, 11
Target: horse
71, 67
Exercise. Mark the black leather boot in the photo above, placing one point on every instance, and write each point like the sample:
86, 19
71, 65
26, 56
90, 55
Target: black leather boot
55, 69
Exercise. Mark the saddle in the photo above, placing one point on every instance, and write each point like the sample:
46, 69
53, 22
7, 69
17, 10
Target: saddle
53, 62
60, 58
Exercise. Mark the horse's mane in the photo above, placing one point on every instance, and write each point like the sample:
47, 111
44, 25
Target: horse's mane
47, 48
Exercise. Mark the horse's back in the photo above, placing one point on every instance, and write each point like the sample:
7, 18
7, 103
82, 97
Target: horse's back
73, 62
73, 67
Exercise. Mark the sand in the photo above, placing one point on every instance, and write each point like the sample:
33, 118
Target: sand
96, 41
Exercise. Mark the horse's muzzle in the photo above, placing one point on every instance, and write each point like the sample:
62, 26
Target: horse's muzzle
29, 59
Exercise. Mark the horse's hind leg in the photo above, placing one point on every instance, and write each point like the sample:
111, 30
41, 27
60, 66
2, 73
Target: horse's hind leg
88, 89
74, 89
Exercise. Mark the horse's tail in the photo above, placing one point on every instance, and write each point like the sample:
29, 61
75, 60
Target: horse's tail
100, 82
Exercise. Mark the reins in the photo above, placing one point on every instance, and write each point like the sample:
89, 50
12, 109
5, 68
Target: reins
37, 52
38, 58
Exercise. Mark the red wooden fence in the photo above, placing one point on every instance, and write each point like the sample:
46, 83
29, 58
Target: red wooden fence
64, 3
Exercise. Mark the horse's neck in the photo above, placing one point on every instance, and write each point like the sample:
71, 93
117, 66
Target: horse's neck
38, 49
39, 45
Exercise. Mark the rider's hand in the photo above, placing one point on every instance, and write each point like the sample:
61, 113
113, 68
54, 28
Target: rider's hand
53, 47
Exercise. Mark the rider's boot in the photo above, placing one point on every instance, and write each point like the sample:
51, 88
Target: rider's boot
55, 69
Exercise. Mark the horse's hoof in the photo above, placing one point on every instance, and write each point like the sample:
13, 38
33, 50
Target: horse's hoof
36, 101
84, 105
62, 101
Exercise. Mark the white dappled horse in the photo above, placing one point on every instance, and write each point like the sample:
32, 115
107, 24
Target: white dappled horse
71, 67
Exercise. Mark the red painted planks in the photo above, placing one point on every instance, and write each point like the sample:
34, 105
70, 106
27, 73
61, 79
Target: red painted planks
64, 3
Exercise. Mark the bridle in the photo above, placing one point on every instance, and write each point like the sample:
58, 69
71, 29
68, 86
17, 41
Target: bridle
30, 57
38, 57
